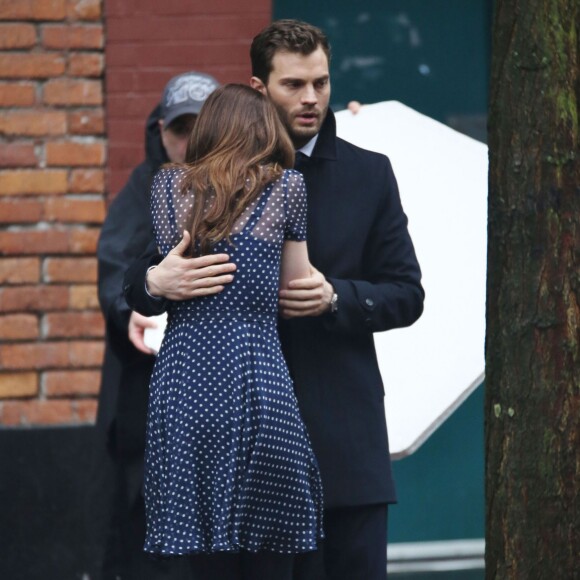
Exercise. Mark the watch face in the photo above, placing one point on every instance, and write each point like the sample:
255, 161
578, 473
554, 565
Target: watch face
334, 303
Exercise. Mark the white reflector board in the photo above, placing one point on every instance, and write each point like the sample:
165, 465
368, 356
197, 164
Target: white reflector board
430, 368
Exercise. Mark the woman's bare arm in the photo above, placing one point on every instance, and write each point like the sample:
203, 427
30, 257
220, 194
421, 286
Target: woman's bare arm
295, 264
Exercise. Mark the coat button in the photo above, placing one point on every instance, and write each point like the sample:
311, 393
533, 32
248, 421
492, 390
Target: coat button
370, 302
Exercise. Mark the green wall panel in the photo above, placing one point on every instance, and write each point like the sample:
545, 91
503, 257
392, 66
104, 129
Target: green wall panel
432, 56
441, 486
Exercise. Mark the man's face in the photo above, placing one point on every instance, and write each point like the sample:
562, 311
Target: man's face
175, 141
299, 87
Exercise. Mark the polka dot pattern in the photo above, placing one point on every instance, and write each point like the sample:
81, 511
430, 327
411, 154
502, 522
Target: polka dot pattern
229, 464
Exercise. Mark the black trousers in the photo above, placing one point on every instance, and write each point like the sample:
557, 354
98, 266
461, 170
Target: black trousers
242, 566
355, 547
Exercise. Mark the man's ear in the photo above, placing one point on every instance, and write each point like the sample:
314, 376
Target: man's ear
258, 85
161, 124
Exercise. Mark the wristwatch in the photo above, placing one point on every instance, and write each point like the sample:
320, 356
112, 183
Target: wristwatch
334, 303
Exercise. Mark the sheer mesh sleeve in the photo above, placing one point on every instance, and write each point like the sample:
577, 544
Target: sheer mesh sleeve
169, 208
295, 208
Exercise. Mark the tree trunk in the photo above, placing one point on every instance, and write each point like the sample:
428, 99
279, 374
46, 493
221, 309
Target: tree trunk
532, 409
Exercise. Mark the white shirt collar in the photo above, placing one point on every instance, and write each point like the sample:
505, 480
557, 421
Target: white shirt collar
309, 147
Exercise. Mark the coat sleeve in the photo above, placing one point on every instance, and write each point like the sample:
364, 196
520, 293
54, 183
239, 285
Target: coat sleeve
390, 294
125, 234
134, 284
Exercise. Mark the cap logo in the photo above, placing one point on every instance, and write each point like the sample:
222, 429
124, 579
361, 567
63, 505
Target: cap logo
189, 89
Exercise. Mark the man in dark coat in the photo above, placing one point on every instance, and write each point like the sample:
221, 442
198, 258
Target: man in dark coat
128, 363
365, 278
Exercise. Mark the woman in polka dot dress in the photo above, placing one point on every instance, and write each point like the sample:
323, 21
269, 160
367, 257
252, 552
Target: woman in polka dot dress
229, 466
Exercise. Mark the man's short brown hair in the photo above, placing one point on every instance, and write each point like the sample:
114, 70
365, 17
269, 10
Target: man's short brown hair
284, 36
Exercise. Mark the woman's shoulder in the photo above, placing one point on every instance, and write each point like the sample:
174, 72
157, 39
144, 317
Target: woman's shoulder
292, 173
290, 177
168, 178
171, 172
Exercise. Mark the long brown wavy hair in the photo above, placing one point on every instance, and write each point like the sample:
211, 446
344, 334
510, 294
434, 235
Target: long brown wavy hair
237, 147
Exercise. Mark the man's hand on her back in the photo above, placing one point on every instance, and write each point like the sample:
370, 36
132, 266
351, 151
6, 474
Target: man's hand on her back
178, 277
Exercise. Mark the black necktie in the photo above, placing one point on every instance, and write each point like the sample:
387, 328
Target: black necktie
300, 160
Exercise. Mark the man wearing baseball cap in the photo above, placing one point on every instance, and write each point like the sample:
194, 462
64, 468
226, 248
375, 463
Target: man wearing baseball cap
181, 102
128, 363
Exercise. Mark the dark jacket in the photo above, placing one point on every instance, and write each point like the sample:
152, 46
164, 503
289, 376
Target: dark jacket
125, 235
358, 238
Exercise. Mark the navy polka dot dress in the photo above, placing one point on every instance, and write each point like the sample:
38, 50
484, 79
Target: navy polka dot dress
229, 464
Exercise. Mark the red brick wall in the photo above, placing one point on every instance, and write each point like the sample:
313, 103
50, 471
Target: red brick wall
53, 153
52, 160
148, 42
